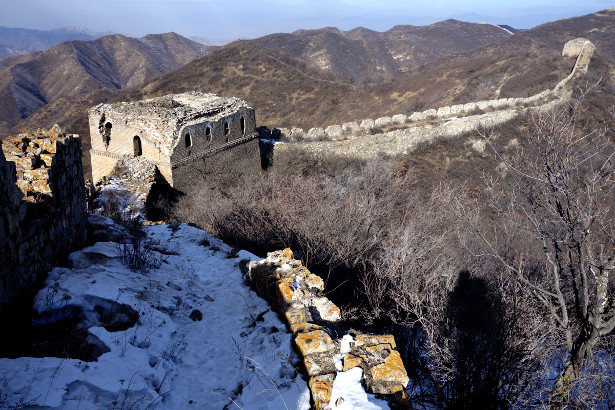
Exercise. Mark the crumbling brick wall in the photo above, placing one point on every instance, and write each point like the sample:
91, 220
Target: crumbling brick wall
297, 294
42, 207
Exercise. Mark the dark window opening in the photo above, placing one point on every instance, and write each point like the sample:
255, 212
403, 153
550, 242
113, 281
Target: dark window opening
136, 143
107, 134
208, 134
242, 122
226, 128
188, 140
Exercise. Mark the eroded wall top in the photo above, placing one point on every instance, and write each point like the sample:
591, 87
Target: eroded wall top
166, 116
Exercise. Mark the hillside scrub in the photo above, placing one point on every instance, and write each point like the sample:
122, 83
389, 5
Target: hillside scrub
557, 196
394, 259
491, 289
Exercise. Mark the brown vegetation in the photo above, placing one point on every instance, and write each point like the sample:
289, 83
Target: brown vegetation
471, 311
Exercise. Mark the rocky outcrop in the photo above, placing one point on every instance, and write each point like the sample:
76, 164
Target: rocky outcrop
42, 206
297, 293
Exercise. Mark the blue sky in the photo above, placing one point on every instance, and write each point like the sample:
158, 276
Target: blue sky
232, 19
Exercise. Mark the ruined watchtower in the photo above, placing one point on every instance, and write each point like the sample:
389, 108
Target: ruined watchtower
177, 132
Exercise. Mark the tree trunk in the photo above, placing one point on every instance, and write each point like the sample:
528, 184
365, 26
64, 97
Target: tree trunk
582, 348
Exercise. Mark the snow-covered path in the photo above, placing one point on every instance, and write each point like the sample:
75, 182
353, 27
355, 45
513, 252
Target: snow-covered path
238, 355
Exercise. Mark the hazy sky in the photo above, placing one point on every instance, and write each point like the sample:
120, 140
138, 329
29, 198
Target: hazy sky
231, 19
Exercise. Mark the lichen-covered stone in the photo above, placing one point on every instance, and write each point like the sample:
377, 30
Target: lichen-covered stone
314, 282
351, 361
321, 388
317, 341
319, 363
389, 377
373, 340
287, 292
325, 310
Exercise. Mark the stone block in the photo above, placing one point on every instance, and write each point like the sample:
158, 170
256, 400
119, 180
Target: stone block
351, 127
383, 122
39, 174
287, 293
41, 187
317, 341
351, 361
321, 388
47, 159
389, 377
297, 315
24, 186
316, 133
22, 162
367, 124
334, 131
48, 145
444, 111
431, 113
399, 118
324, 309
374, 340
314, 282
297, 133
319, 363
417, 116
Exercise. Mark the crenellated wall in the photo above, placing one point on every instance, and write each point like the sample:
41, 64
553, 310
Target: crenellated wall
42, 207
400, 133
297, 294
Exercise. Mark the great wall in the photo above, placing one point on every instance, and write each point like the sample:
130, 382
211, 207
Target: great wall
42, 207
400, 134
297, 294
44, 218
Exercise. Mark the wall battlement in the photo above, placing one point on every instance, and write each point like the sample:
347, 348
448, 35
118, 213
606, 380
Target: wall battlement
369, 138
42, 206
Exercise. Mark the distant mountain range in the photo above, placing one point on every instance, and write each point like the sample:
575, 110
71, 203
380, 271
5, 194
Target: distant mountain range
75, 68
363, 54
15, 41
309, 78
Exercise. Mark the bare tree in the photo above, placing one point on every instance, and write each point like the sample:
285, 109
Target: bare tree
558, 192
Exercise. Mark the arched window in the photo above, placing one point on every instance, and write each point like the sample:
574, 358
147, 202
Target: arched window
208, 134
226, 130
107, 134
136, 144
242, 122
188, 140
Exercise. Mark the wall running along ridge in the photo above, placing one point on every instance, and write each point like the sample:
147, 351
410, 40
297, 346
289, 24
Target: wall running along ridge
297, 294
42, 207
369, 138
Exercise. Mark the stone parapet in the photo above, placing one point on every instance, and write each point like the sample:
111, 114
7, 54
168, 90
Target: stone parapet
580, 48
297, 294
42, 206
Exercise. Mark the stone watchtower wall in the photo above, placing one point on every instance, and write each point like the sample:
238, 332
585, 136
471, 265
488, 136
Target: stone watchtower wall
186, 136
42, 207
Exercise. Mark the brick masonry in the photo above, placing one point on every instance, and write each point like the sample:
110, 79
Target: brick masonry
42, 207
